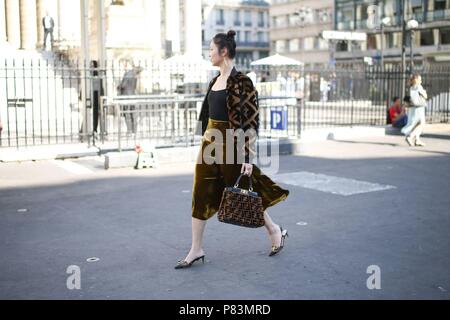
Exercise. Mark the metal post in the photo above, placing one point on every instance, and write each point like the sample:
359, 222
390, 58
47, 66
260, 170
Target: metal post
381, 75
84, 16
117, 107
382, 47
403, 22
411, 56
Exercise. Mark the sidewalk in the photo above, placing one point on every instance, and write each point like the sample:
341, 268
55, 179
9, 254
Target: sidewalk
177, 154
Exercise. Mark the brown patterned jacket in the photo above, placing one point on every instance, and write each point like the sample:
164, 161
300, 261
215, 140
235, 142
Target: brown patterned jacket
238, 83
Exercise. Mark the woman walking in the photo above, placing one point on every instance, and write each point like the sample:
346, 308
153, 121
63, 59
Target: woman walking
416, 112
221, 111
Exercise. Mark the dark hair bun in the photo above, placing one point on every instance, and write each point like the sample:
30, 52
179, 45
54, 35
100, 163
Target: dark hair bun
226, 40
231, 33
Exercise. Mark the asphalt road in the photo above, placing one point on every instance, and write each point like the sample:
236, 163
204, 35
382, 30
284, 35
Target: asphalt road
56, 214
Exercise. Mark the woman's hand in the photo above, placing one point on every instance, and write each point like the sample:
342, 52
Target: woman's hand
247, 168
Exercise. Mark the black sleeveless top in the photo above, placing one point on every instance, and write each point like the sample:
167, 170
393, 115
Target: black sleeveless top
217, 101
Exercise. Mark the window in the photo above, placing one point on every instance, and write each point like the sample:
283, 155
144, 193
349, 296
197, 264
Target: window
219, 17
248, 18
445, 36
238, 36
260, 19
237, 18
293, 20
280, 21
342, 46
260, 36
439, 5
390, 8
280, 46
371, 42
361, 12
322, 44
284, 21
308, 43
293, 45
247, 36
394, 40
415, 8
426, 37
345, 19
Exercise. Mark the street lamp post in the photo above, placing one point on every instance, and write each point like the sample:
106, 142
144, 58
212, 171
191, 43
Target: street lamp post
411, 25
403, 22
384, 22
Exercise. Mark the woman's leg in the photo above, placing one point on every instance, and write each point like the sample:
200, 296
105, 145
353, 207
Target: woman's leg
273, 230
417, 132
198, 227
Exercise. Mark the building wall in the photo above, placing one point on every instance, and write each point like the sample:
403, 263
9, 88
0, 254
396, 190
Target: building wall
431, 41
136, 28
251, 26
296, 27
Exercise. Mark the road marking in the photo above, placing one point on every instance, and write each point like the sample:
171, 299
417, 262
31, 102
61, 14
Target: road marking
93, 259
331, 184
72, 167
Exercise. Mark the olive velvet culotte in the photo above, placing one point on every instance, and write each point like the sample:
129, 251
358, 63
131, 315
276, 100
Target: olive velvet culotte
211, 179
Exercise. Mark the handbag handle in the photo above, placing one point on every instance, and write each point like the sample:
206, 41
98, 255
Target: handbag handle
239, 178
241, 91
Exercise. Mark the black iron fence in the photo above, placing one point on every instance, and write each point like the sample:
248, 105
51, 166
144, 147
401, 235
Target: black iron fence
60, 101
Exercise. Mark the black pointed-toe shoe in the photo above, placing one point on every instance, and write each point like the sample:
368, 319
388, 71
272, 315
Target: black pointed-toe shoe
182, 264
276, 249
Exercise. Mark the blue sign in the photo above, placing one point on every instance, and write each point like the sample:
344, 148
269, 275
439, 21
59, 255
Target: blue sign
278, 119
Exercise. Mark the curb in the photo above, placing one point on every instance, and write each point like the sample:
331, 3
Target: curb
174, 154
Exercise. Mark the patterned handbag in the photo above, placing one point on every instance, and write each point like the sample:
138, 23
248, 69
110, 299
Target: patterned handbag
241, 207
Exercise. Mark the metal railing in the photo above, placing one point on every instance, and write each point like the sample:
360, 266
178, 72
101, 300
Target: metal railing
161, 120
55, 102
173, 120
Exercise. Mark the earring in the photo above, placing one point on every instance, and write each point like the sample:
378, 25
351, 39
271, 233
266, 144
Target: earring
226, 63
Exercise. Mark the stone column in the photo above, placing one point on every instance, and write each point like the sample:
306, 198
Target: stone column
153, 24
28, 24
193, 28
101, 31
2, 22
172, 22
13, 23
40, 12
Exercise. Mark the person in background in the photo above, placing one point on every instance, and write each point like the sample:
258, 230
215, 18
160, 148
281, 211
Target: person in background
97, 92
48, 24
416, 113
128, 87
397, 114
